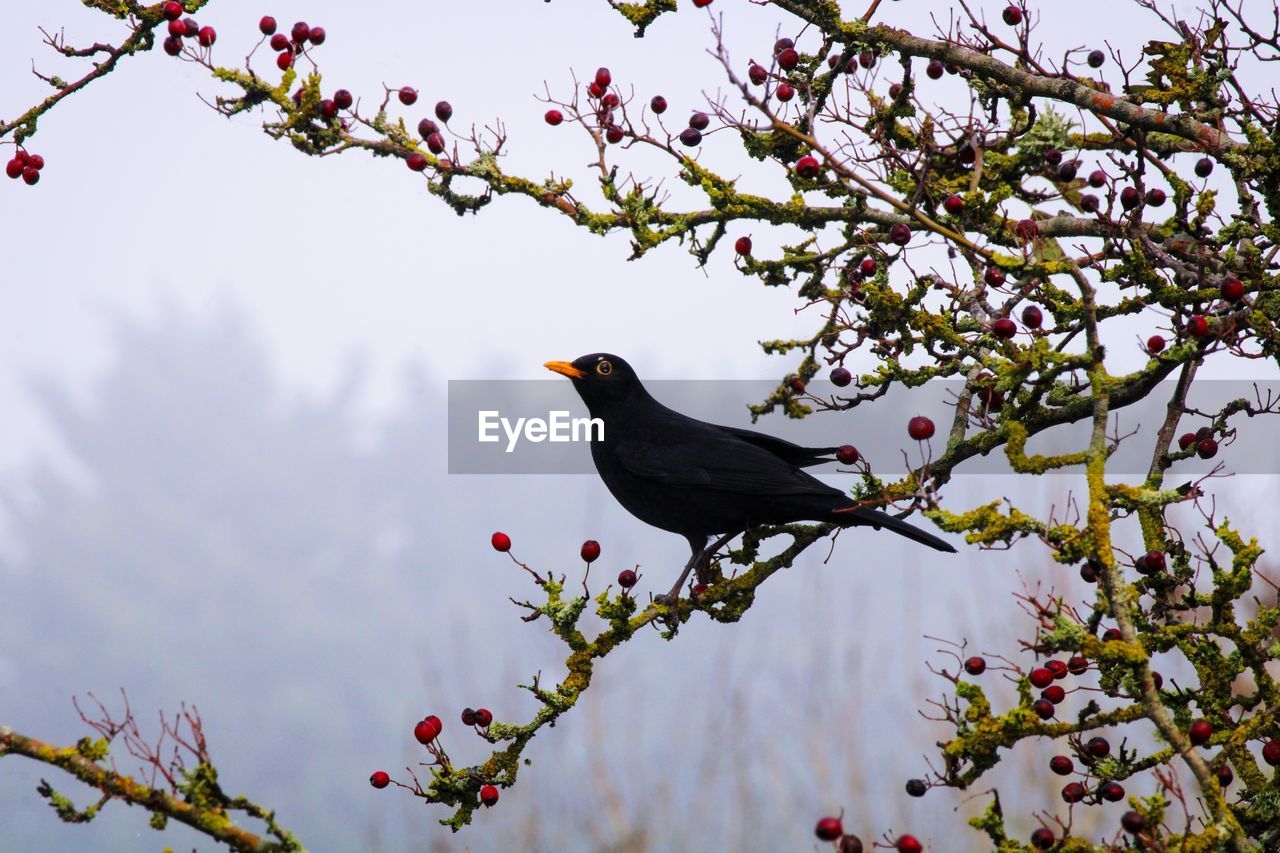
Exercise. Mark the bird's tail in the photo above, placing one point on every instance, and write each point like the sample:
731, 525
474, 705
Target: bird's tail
864, 517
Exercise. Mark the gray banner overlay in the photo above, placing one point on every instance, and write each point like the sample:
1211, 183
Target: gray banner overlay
553, 437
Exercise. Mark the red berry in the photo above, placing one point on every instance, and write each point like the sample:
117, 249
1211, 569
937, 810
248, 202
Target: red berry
1052, 156
690, 137
417, 162
701, 4
1062, 765
807, 167
435, 143
342, 99
1058, 668
975, 665
698, 589
900, 234
934, 69
425, 732
590, 550
1198, 326
1077, 665
488, 795
553, 117
908, 844
658, 104
785, 92
1157, 679
284, 60
1232, 289
627, 578
177, 29
1204, 167
613, 135
829, 829
1067, 172
788, 58
1156, 197
426, 127
279, 41
1089, 203
1054, 693
1026, 229
1271, 752
1206, 448
1043, 708
300, 32
328, 109
468, 716
267, 25
1153, 561
1112, 792
595, 91
1012, 15
782, 44
866, 59
31, 176
699, 120
207, 36
1089, 572
847, 454
379, 779
1155, 344
172, 45
757, 74
968, 155
1200, 732
1042, 838
1032, 317
1004, 328
500, 541
1098, 747
868, 267
172, 11
603, 78
1186, 440
840, 377
483, 717
1040, 677
1073, 792
920, 428
1111, 634
444, 111
317, 35
953, 205
408, 95
994, 276
1133, 822
1130, 198
14, 168
1096, 58
1225, 775
742, 245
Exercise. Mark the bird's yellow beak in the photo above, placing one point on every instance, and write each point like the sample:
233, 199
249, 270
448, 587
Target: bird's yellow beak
564, 368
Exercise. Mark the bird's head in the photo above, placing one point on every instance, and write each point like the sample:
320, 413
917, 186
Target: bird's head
601, 379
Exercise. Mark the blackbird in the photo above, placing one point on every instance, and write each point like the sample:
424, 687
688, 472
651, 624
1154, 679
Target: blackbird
699, 479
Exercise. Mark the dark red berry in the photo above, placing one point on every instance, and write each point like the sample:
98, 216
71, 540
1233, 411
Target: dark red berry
975, 665
916, 787
342, 99
1012, 15
1133, 822
1232, 289
300, 32
468, 716
1043, 708
1097, 178
1057, 667
698, 589
426, 127
595, 91
418, 163
444, 111
553, 117
699, 120
172, 10
742, 245
1077, 665
1206, 448
603, 77
658, 104
1067, 172
1096, 58
1155, 344
425, 732
967, 154
1026, 229
840, 377
785, 92
1130, 198
701, 4
590, 550
379, 779
1032, 317
757, 74
1042, 838
1040, 677
1271, 752
847, 454
1053, 156
1186, 440
866, 59
435, 143
611, 101
408, 95
317, 35
279, 41
1112, 792
1098, 747
1200, 732
172, 45
267, 25
1054, 693
1062, 765
788, 58
1198, 326
690, 137
627, 578
30, 176
177, 29
1204, 167
900, 234
284, 60
1073, 792
920, 428
1153, 561
807, 167
14, 168
1157, 679
207, 36
613, 135
1155, 197
867, 267
1004, 328
1111, 634
500, 541
829, 829
954, 204
483, 717
782, 44
994, 276
1089, 203
192, 29
328, 109
488, 795
1225, 775
908, 844
895, 89
934, 69
1089, 572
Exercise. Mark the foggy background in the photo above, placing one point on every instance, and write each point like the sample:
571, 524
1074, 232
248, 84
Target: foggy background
222, 461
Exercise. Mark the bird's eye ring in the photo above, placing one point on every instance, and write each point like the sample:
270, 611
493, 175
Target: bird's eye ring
604, 368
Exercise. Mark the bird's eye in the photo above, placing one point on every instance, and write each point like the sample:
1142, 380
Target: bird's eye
604, 368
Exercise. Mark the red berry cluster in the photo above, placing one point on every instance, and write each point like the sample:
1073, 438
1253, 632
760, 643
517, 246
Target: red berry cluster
480, 718
289, 47
26, 166
180, 28
605, 103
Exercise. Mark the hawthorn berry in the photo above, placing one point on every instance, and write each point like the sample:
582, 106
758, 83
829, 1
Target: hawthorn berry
1089, 203
1077, 664
1130, 198
1097, 178
1155, 344
342, 99
658, 104
1098, 747
1206, 448
1096, 58
1225, 775
31, 176
611, 100
1073, 792
789, 58
595, 91
757, 74
690, 137
954, 204
697, 590
1156, 197
1032, 317
1200, 732
1053, 156
866, 59
1040, 677
1054, 693
267, 25
967, 154
1057, 667
553, 117
1062, 765
1043, 707
994, 276
1204, 167
190, 28
590, 550
701, 4
699, 120
1271, 752
1152, 561
1112, 792
14, 168
177, 29
483, 717
782, 44
468, 716
920, 428
300, 32
785, 92
279, 42
435, 143
742, 245
317, 35
1232, 289
1187, 439
908, 844
1026, 229
1111, 634
417, 161
1133, 822
408, 95
500, 541
613, 135
916, 787
425, 732
1042, 838
1012, 15
829, 829
1198, 326
900, 234
172, 10
807, 167
847, 454
426, 127
444, 111
172, 45
975, 665
207, 36
934, 69
380, 779
627, 578
284, 60
1157, 679
328, 109
1089, 572
1004, 328
867, 267
603, 77
1067, 172
895, 89
488, 795
841, 377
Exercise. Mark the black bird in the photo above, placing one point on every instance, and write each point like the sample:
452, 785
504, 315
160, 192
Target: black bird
699, 479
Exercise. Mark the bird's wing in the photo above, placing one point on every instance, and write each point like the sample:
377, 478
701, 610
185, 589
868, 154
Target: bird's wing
785, 450
716, 459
